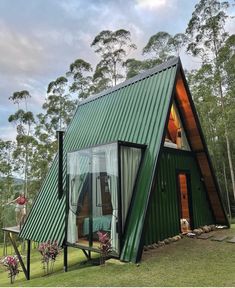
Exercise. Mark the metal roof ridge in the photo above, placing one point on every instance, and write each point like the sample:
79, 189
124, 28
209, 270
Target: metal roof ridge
134, 79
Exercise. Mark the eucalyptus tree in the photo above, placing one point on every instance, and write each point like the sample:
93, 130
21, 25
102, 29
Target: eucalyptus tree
101, 79
158, 46
6, 169
206, 31
58, 106
23, 120
57, 113
6, 180
19, 97
134, 66
54, 105
178, 42
80, 71
163, 46
201, 86
113, 48
226, 60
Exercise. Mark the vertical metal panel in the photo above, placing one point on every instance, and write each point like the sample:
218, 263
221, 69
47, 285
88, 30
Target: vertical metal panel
136, 113
163, 215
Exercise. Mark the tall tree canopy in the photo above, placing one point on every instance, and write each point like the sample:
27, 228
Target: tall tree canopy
23, 120
206, 29
208, 38
163, 46
58, 109
80, 71
113, 48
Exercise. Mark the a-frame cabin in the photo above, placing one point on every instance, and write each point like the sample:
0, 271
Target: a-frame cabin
135, 162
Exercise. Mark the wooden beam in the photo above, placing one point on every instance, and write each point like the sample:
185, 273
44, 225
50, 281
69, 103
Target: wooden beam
65, 258
28, 258
18, 254
88, 256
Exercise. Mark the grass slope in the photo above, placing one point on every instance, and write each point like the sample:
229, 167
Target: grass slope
188, 262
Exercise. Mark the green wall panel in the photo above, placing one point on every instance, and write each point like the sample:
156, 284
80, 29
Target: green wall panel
162, 219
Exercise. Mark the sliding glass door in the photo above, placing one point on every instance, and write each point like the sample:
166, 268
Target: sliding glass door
100, 186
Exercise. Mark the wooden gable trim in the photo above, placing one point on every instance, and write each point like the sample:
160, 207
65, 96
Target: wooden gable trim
198, 145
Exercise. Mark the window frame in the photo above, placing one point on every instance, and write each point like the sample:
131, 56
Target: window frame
121, 229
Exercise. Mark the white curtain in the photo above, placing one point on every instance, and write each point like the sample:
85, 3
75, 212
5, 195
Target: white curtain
130, 161
72, 235
112, 171
78, 168
96, 188
73, 168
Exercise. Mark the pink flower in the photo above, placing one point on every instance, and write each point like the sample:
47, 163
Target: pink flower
11, 264
105, 242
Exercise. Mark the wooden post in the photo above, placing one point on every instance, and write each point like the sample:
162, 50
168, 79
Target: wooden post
18, 254
28, 259
65, 258
5, 245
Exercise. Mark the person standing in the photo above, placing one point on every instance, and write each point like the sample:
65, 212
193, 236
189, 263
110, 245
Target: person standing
20, 209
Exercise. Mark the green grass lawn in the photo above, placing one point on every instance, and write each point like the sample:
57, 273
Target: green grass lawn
188, 262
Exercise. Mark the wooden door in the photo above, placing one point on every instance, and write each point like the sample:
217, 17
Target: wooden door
184, 201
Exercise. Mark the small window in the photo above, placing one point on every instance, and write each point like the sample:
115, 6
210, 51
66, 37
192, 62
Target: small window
175, 135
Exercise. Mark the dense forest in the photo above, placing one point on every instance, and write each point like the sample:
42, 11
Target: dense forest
212, 85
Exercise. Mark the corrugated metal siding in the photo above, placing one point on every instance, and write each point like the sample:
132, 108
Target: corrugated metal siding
162, 219
47, 217
135, 113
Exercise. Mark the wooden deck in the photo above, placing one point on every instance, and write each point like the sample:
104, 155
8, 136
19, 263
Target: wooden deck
14, 229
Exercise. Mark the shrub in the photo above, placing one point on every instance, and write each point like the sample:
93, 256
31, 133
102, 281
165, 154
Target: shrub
12, 266
49, 251
105, 245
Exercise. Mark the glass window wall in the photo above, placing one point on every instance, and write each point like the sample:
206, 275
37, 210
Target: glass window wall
99, 197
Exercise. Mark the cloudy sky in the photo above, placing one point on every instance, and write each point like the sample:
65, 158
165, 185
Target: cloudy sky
40, 38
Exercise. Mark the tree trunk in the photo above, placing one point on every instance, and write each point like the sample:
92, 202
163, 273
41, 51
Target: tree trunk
115, 73
227, 140
26, 172
227, 194
230, 161
218, 68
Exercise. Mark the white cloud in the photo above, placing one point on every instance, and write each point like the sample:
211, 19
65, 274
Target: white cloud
230, 27
152, 4
18, 52
8, 133
71, 7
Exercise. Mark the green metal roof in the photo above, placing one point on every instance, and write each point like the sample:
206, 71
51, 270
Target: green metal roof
134, 111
